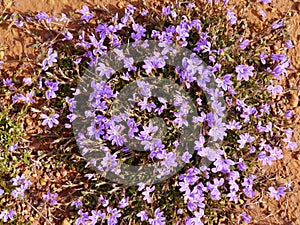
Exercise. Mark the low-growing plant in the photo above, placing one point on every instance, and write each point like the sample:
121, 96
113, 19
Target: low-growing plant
231, 79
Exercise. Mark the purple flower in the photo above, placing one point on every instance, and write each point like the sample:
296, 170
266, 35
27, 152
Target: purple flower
84, 216
289, 44
280, 69
186, 157
277, 193
276, 90
262, 13
266, 1
42, 15
155, 62
50, 120
289, 114
246, 218
18, 180
244, 44
109, 162
158, 218
1, 63
50, 198
145, 104
8, 82
225, 82
13, 147
263, 56
113, 215
245, 138
1, 191
103, 201
266, 159
114, 134
277, 24
28, 98
143, 215
244, 72
215, 193
18, 193
95, 217
281, 57
50, 59
144, 12
124, 202
146, 194
86, 15
166, 11
231, 17
5, 215
233, 125
223, 165
77, 203
139, 32
27, 80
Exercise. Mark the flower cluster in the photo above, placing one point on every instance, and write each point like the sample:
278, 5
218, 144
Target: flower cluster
226, 110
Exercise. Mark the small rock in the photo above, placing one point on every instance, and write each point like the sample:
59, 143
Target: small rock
294, 98
65, 221
43, 181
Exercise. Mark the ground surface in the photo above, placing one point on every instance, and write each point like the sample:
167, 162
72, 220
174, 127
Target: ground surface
265, 210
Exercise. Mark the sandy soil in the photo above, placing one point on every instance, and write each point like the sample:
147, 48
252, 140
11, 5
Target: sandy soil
264, 210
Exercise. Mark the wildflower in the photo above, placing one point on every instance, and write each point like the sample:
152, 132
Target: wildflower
231, 17
27, 80
215, 193
245, 138
158, 218
18, 180
276, 90
50, 120
42, 15
146, 194
246, 218
277, 193
262, 13
144, 12
114, 134
244, 44
95, 216
103, 201
13, 147
143, 215
77, 203
225, 82
289, 114
28, 98
244, 72
86, 15
113, 215
50, 198
145, 104
5, 215
84, 217
124, 202
1, 191
289, 44
277, 24
18, 193
9, 83
50, 59
1, 63
263, 56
